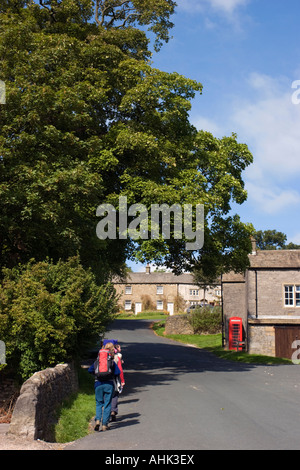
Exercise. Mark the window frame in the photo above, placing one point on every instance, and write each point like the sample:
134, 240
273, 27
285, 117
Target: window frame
291, 295
194, 292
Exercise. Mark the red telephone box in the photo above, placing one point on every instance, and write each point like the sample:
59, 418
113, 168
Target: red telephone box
235, 333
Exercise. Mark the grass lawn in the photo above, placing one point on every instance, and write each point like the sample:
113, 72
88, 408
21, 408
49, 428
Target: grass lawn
213, 343
142, 316
77, 411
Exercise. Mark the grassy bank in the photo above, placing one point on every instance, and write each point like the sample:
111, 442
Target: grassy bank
77, 411
142, 316
213, 343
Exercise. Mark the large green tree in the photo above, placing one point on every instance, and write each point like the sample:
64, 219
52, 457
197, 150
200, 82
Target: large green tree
270, 239
87, 119
273, 240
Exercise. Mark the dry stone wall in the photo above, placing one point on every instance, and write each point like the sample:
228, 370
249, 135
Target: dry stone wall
178, 325
34, 412
261, 340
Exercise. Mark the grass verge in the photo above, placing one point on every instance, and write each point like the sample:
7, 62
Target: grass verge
213, 343
142, 316
77, 411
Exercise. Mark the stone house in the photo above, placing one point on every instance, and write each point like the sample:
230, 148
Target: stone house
162, 291
267, 299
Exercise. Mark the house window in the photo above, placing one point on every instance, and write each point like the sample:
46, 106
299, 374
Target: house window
127, 304
292, 296
159, 305
159, 289
128, 290
194, 292
297, 295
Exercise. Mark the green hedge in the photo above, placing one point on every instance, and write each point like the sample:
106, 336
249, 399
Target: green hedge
206, 320
51, 313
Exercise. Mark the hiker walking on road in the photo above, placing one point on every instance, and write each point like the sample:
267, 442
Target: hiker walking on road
119, 383
104, 386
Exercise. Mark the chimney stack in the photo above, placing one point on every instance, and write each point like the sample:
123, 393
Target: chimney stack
253, 243
148, 269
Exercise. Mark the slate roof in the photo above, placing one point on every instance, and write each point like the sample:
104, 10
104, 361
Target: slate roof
267, 259
156, 278
275, 259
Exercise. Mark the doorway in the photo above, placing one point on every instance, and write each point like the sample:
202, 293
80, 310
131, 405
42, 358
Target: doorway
170, 308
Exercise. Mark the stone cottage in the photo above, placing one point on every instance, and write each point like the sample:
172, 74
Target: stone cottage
267, 298
163, 291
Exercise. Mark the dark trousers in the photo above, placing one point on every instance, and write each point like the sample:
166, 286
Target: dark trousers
114, 403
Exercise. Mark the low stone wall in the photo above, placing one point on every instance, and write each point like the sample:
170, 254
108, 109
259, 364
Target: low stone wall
261, 340
178, 325
34, 412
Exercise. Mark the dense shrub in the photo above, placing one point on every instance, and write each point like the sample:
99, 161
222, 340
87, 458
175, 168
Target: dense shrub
51, 313
206, 320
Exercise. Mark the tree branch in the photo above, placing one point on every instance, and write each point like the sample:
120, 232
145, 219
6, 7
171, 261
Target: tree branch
108, 8
127, 18
51, 12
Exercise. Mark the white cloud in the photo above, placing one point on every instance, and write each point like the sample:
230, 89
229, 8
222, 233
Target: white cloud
295, 239
213, 12
266, 119
208, 125
227, 7
270, 199
270, 121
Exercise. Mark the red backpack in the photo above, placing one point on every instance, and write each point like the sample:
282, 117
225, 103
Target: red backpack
104, 365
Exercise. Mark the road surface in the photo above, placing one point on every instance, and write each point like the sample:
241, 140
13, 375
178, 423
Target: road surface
182, 398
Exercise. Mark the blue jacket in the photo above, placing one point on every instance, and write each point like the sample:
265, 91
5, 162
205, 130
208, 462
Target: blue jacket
116, 372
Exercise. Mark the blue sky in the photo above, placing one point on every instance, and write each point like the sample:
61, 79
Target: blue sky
246, 53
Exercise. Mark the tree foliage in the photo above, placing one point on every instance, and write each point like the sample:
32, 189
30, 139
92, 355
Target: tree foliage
50, 313
89, 119
270, 239
273, 240
122, 13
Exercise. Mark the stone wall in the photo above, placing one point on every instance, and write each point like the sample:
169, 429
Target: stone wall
265, 290
147, 294
178, 325
261, 339
34, 412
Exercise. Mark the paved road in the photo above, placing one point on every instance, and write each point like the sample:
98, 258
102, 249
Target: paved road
179, 397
